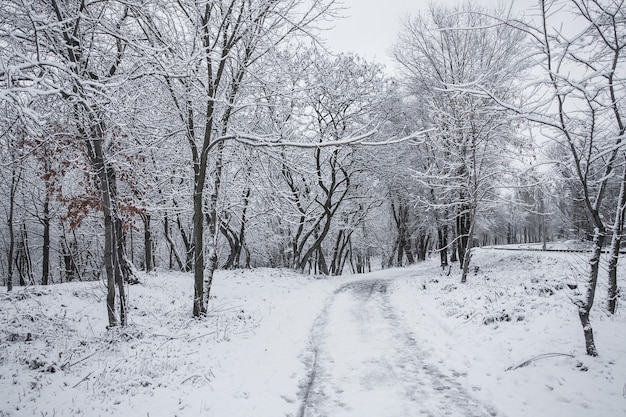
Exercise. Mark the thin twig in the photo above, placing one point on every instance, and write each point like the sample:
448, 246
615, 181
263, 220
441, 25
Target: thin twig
195, 376
78, 361
81, 381
200, 336
536, 358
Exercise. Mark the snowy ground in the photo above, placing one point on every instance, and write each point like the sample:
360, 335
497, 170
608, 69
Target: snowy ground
401, 342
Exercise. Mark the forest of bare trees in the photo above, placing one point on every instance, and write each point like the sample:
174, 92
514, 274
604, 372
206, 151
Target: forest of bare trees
195, 135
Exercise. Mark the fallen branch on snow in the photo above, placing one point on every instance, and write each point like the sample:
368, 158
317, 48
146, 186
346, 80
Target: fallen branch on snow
536, 358
69, 365
82, 380
196, 377
191, 339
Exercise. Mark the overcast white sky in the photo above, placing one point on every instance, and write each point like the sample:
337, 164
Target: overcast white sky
371, 26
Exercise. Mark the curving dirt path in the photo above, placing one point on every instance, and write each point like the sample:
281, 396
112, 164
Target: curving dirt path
364, 362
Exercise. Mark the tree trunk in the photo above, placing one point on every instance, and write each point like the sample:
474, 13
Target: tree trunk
467, 255
15, 178
509, 233
542, 219
22, 258
334, 263
584, 304
408, 250
233, 244
69, 262
170, 242
463, 225
347, 257
321, 262
123, 271
454, 245
111, 243
442, 243
345, 253
422, 247
339, 251
242, 230
45, 261
109, 250
213, 217
401, 246
616, 240
147, 241
198, 252
189, 244
316, 247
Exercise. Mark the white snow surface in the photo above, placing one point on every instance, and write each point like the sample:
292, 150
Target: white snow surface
397, 342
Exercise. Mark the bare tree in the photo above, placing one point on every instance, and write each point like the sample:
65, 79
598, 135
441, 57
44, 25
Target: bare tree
443, 55
607, 30
75, 51
219, 42
578, 103
331, 99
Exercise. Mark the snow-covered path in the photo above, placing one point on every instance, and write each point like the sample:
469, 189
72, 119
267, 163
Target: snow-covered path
365, 362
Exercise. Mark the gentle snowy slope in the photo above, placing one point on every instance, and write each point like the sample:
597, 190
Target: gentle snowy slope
517, 306
243, 360
253, 356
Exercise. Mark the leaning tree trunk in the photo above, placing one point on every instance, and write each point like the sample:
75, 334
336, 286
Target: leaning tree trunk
110, 253
616, 240
585, 303
340, 250
233, 244
113, 238
188, 243
316, 247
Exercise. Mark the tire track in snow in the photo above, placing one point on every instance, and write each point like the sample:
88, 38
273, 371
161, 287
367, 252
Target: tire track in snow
364, 362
